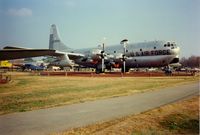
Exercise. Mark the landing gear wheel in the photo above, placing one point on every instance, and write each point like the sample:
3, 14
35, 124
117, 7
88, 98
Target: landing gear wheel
99, 69
126, 70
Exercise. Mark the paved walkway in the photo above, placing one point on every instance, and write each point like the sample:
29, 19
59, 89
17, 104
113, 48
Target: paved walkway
57, 119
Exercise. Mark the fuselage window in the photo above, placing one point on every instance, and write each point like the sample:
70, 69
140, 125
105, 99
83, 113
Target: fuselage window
168, 45
140, 49
165, 45
154, 47
126, 50
114, 51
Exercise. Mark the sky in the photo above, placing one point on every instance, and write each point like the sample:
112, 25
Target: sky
88, 23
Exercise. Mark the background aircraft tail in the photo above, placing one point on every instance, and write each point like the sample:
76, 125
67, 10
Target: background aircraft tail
55, 42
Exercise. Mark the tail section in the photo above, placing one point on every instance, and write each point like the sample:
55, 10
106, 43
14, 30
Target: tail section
55, 42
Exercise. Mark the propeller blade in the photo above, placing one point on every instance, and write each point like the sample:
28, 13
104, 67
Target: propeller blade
102, 57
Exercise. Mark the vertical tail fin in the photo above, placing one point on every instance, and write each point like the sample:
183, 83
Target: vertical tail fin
54, 40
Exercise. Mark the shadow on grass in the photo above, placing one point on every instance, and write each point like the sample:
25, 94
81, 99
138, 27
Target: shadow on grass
182, 123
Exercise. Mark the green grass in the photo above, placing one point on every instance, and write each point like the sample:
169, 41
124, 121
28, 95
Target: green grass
26, 93
181, 122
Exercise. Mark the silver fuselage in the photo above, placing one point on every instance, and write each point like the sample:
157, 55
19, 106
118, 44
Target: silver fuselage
144, 54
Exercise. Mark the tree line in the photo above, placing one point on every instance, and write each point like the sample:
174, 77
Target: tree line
192, 61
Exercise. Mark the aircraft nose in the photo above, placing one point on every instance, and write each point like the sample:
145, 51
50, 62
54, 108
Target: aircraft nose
178, 49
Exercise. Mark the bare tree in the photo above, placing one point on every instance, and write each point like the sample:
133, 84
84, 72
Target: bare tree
192, 61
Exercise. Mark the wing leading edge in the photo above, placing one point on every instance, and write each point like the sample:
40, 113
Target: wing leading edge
9, 54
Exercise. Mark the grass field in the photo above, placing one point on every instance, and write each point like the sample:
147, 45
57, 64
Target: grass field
29, 92
174, 119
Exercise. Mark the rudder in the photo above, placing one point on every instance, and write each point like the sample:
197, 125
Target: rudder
54, 40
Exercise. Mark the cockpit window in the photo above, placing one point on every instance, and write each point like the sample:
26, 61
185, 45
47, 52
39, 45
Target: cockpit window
168, 44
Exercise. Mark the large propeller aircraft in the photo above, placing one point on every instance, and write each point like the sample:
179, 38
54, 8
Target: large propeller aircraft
123, 55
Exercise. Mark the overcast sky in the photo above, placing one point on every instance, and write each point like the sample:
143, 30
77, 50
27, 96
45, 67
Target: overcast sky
84, 23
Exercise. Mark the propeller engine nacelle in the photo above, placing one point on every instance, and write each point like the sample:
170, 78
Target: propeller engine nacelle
63, 61
96, 54
119, 57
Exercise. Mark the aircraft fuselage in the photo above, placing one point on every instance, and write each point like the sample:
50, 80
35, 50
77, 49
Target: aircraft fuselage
146, 54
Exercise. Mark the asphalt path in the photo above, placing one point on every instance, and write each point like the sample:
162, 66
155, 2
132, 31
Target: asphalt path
46, 121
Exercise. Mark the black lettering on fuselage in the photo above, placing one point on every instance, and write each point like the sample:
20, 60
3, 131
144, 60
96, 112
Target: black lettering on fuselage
146, 53
150, 53
137, 54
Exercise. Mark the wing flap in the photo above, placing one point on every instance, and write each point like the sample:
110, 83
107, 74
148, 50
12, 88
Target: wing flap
74, 56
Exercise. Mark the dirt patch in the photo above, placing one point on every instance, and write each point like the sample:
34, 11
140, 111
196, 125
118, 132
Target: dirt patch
114, 74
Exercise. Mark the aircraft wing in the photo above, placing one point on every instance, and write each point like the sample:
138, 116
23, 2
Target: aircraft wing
8, 54
72, 56
13, 47
11, 52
